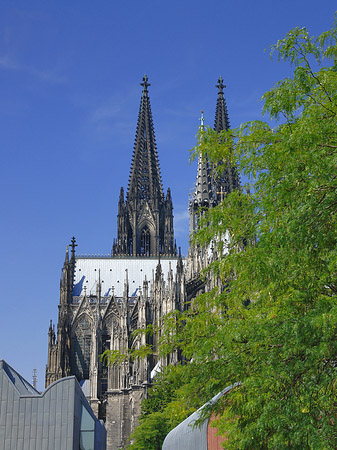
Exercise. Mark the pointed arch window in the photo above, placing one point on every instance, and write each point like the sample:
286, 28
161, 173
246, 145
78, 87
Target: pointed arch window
130, 243
105, 345
145, 244
81, 345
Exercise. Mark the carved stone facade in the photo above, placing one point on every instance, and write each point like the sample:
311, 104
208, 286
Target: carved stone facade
104, 299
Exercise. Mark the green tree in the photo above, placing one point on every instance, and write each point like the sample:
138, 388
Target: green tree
282, 258
164, 409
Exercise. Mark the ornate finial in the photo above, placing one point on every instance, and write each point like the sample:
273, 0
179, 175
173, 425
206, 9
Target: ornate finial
67, 254
221, 193
73, 245
145, 83
34, 378
220, 85
202, 119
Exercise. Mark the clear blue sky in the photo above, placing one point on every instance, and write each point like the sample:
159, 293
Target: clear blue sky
69, 99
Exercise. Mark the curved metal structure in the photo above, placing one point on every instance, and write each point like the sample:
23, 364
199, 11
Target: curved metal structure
188, 436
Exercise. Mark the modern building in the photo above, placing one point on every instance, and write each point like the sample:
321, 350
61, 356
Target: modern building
104, 299
58, 419
192, 435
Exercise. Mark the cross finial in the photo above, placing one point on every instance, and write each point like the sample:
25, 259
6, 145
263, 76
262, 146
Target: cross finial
202, 120
145, 83
222, 193
220, 85
73, 245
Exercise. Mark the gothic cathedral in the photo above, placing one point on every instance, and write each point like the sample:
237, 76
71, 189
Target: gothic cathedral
104, 299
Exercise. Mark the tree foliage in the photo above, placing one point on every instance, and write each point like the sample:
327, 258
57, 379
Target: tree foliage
281, 258
165, 408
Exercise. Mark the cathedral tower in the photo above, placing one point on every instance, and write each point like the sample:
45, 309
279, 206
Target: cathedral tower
104, 299
145, 218
211, 187
228, 180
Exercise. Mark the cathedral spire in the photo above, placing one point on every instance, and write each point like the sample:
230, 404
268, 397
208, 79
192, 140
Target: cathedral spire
203, 195
73, 246
145, 218
67, 255
145, 181
228, 180
221, 115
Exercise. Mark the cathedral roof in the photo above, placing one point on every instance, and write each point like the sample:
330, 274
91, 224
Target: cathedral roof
114, 271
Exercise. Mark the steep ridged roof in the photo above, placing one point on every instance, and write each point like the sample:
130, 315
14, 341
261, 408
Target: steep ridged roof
145, 179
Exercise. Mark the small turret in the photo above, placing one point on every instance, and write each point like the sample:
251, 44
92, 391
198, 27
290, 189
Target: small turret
158, 271
98, 287
51, 334
121, 197
67, 255
180, 265
145, 288
126, 286
203, 195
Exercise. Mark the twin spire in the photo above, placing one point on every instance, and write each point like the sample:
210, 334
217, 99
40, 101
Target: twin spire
145, 183
221, 121
210, 188
145, 218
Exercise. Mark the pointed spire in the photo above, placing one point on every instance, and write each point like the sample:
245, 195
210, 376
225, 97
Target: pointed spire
98, 287
202, 120
145, 288
145, 179
73, 245
126, 286
145, 218
121, 196
168, 195
221, 114
229, 179
203, 195
180, 265
145, 84
67, 255
158, 271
